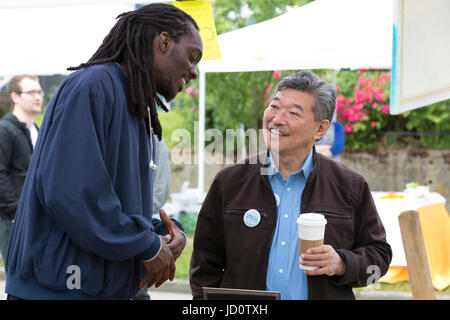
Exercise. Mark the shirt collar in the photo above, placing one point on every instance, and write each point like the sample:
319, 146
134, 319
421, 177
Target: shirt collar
308, 165
306, 169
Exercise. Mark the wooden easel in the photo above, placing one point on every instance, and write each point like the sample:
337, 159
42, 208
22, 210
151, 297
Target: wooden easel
416, 256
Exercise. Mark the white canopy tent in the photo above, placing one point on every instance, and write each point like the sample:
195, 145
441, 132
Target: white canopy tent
324, 34
46, 37
17, 4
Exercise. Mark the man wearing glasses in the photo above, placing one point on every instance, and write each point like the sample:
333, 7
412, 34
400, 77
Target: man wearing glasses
18, 135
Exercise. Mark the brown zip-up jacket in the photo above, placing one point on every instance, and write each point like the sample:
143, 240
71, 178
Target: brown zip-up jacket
229, 254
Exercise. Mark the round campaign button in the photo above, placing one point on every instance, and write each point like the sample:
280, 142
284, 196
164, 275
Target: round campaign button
252, 218
277, 199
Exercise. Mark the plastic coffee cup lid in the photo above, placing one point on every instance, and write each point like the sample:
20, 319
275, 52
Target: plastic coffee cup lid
312, 219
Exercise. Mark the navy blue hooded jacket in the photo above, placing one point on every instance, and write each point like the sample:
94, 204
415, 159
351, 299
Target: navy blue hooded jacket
87, 197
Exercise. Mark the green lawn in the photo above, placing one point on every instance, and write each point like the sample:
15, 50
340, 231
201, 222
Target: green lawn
182, 263
403, 286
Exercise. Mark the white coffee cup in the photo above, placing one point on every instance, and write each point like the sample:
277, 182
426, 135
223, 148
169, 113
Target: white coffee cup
311, 231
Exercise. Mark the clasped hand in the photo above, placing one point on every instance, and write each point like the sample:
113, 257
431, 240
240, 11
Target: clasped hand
162, 267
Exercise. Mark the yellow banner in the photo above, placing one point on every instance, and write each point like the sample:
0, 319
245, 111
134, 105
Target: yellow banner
201, 12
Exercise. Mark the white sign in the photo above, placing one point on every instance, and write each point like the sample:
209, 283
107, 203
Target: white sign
421, 54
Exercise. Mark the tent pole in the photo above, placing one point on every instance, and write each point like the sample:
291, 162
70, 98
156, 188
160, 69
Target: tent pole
201, 135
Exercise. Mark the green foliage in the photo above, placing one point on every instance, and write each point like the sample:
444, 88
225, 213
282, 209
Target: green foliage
177, 118
363, 107
4, 104
39, 117
434, 118
238, 101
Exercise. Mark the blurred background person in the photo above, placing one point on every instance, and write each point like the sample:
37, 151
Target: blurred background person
18, 135
332, 143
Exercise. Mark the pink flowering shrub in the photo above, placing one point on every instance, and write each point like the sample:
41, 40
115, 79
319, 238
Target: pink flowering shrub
364, 111
276, 74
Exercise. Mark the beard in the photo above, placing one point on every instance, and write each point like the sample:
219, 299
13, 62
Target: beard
166, 89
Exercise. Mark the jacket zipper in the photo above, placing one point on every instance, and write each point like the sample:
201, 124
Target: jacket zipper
331, 214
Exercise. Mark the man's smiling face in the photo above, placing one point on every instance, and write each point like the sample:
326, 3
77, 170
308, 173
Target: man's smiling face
289, 124
175, 62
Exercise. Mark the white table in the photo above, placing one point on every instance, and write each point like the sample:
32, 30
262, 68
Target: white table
389, 210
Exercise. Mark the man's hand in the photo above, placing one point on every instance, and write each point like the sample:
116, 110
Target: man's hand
175, 237
159, 269
324, 257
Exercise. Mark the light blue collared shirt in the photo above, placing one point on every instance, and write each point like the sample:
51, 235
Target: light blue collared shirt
284, 273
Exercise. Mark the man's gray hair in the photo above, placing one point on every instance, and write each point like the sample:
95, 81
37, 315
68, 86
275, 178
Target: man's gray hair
307, 81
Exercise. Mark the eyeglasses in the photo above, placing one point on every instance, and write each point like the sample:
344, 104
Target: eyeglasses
33, 92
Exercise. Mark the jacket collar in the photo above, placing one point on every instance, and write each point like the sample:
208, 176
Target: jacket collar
20, 125
14, 120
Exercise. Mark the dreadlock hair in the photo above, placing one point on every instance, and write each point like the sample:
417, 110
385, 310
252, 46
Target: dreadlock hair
130, 41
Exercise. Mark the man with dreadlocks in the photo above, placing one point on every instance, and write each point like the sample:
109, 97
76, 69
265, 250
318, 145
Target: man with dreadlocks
83, 228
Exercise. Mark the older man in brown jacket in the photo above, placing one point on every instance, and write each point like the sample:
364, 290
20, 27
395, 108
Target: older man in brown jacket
230, 253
